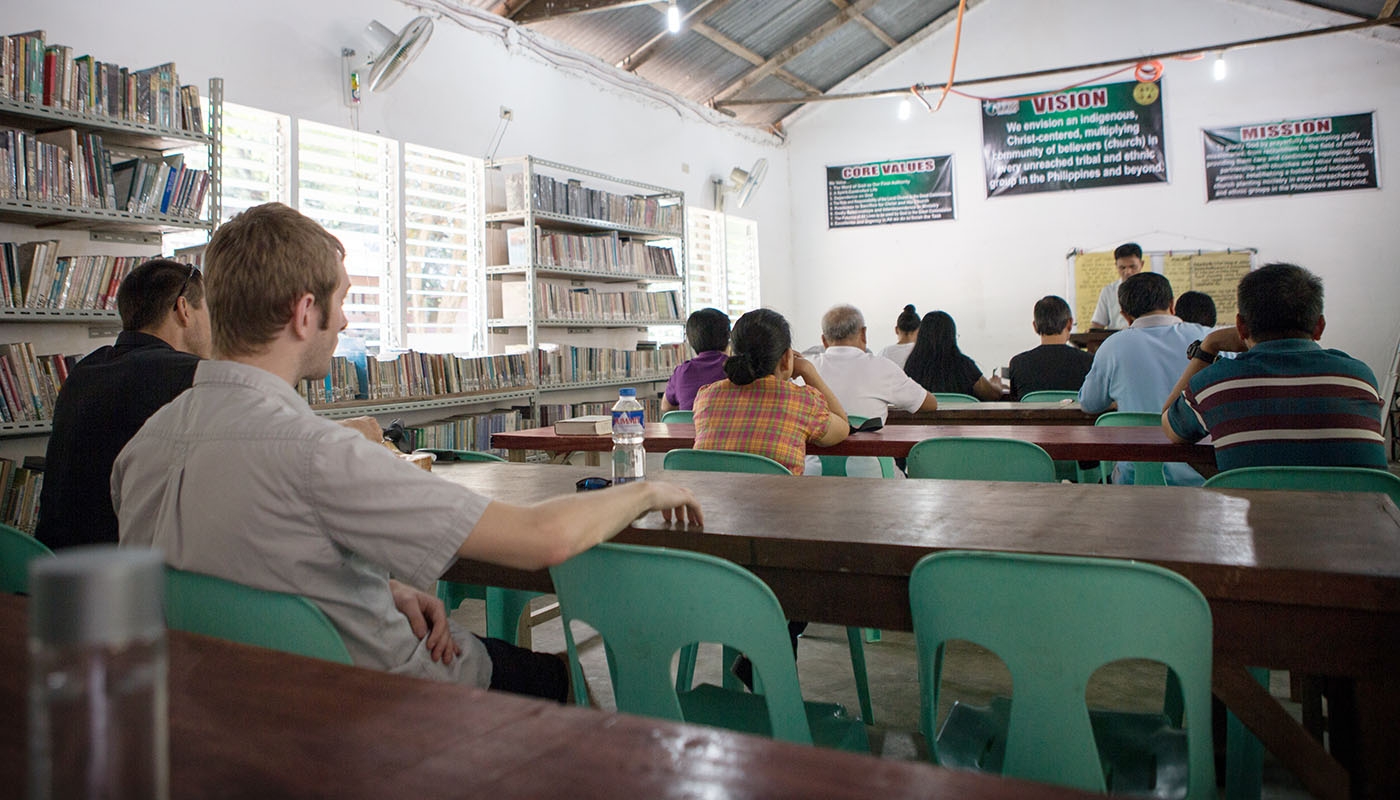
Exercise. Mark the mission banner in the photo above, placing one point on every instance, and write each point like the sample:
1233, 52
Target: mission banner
890, 192
1085, 138
1318, 154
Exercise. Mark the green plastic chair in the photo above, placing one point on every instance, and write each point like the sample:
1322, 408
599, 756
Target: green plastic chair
1054, 621
752, 463
980, 459
1048, 396
211, 606
835, 466
1145, 473
678, 416
503, 606
647, 603
954, 397
1244, 753
17, 549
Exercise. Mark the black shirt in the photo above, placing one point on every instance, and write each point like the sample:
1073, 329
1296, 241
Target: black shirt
107, 398
1047, 367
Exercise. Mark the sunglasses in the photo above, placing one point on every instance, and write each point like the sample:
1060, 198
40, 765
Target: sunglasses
589, 484
184, 286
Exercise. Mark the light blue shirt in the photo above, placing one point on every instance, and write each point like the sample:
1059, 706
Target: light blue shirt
1137, 368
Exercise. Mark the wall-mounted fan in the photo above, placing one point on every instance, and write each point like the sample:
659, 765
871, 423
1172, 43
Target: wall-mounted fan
392, 54
742, 184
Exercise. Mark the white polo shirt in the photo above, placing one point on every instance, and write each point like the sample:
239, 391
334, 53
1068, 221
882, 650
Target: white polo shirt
866, 384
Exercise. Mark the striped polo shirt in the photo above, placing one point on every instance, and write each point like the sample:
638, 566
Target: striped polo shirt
1285, 402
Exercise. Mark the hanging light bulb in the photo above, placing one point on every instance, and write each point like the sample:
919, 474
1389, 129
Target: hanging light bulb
673, 17
1218, 70
904, 108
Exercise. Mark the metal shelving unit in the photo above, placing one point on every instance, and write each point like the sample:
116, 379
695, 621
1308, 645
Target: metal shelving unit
360, 408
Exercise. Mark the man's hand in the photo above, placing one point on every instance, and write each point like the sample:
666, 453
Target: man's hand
367, 426
427, 616
675, 502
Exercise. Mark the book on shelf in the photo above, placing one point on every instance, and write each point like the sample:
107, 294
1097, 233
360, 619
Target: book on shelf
590, 425
566, 364
34, 275
466, 431
29, 383
569, 197
20, 486
550, 413
410, 375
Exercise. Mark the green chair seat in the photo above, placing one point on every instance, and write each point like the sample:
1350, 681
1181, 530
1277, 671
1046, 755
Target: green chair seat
17, 549
980, 459
204, 604
650, 603
678, 416
1145, 473
1048, 396
954, 397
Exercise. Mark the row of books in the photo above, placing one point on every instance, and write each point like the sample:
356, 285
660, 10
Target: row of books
560, 364
414, 374
29, 383
605, 252
467, 431
572, 198
553, 412
340, 384
20, 486
72, 168
35, 72
562, 302
33, 275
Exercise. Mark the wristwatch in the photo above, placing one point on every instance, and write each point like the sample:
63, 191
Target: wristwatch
1194, 350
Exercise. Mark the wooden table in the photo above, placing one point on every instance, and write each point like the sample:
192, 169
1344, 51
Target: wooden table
248, 722
999, 413
1296, 580
1062, 442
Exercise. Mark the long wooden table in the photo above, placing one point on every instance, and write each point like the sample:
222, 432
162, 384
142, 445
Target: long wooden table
995, 413
1296, 580
1062, 442
248, 722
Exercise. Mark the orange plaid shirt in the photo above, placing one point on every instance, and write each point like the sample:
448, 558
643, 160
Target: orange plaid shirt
769, 417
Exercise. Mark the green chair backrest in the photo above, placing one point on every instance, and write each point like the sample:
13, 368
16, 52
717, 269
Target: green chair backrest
649, 602
722, 461
17, 549
1145, 473
1313, 479
678, 416
1048, 396
1054, 620
980, 459
459, 455
954, 397
212, 606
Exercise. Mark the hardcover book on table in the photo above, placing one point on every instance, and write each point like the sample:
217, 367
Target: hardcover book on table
591, 425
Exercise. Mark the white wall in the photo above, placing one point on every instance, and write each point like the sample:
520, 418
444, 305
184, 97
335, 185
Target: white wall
285, 57
1000, 255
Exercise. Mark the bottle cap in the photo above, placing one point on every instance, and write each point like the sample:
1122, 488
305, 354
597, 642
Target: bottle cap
97, 595
628, 392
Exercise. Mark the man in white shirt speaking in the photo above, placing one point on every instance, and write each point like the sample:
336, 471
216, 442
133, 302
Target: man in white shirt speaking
866, 384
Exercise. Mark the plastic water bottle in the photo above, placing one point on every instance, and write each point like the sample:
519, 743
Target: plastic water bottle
628, 425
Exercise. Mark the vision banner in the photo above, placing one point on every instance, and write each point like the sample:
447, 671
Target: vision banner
1085, 138
1318, 154
890, 192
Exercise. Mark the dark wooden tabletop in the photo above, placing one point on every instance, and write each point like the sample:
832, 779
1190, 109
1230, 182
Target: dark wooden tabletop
248, 722
1064, 442
997, 413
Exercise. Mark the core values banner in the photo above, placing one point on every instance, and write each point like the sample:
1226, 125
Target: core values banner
890, 192
1085, 138
1317, 154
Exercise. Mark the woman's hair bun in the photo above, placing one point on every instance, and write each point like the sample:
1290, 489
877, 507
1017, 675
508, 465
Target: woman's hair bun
910, 308
740, 369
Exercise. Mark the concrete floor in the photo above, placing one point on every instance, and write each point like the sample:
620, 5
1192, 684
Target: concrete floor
824, 670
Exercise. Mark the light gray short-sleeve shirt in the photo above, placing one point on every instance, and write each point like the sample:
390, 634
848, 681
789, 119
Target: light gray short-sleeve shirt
238, 478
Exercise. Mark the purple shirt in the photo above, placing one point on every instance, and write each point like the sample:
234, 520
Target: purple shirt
702, 370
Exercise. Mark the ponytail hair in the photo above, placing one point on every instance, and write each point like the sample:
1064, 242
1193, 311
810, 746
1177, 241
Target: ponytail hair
908, 320
758, 342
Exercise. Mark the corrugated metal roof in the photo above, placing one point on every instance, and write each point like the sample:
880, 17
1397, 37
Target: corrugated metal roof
767, 26
904, 18
694, 66
829, 61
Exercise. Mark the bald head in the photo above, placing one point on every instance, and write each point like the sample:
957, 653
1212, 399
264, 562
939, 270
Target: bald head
843, 325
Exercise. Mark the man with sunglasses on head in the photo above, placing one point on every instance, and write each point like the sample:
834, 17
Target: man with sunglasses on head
109, 395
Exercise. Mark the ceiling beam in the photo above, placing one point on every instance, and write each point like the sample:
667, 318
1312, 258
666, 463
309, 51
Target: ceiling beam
793, 50
509, 8
698, 14
869, 25
751, 57
1388, 9
531, 11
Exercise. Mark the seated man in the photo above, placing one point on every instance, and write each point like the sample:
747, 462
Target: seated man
1055, 364
1284, 401
866, 384
1197, 307
110, 394
237, 478
1127, 259
707, 330
1135, 368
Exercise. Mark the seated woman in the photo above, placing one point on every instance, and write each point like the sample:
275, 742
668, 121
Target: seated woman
759, 409
906, 329
939, 366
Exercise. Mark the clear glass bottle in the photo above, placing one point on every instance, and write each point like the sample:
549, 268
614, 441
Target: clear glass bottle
628, 426
98, 720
